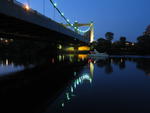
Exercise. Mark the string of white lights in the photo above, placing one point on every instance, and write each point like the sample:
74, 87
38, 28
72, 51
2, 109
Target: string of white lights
67, 20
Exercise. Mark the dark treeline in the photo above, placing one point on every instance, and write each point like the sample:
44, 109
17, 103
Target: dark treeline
122, 46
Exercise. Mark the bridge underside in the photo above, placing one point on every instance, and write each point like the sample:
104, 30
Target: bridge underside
14, 28
29, 24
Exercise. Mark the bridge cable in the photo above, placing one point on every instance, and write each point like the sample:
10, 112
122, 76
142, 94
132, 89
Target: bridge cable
67, 20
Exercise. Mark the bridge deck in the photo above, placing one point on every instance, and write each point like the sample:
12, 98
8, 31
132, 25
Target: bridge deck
15, 18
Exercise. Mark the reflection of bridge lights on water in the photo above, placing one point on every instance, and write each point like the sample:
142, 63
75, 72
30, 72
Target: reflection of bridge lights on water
60, 57
70, 91
6, 41
8, 66
72, 57
75, 73
91, 69
6, 62
82, 56
85, 77
77, 82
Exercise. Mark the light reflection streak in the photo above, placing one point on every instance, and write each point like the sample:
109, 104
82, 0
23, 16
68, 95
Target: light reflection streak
72, 57
70, 92
6, 62
7, 66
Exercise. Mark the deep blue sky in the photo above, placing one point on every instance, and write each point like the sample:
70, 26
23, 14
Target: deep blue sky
122, 17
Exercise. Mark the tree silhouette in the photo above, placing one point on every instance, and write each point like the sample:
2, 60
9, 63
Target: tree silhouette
143, 44
122, 42
123, 39
109, 36
103, 45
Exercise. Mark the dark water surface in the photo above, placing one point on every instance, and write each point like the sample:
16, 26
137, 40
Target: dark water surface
119, 85
77, 84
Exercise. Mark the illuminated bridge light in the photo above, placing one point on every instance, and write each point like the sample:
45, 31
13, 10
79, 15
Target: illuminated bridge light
55, 4
62, 14
26, 6
68, 20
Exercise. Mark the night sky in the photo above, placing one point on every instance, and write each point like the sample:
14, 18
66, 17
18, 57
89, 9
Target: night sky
122, 17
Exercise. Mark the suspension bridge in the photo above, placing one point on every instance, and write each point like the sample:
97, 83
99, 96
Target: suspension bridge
18, 19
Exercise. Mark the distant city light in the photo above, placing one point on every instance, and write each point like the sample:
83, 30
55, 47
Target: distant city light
133, 44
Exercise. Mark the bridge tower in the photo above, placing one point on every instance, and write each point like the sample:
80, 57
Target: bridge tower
89, 33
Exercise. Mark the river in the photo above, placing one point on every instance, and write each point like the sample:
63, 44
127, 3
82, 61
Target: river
93, 85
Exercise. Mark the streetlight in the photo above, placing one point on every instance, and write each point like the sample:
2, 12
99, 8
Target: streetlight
26, 6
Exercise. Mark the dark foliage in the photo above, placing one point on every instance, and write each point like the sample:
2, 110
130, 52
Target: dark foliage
122, 46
